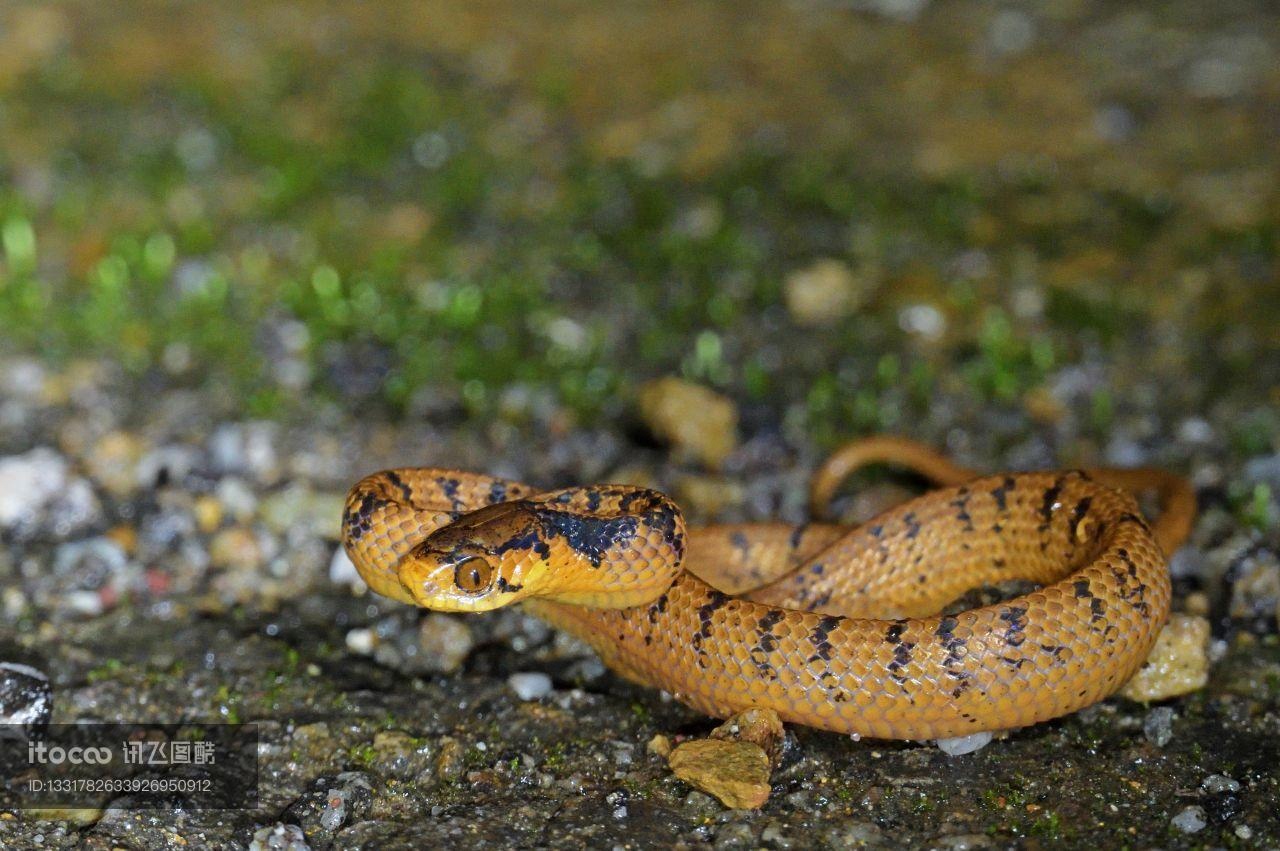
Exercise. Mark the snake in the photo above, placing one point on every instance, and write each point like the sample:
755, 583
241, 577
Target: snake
841, 628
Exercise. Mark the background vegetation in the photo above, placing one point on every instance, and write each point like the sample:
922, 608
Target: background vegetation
485, 207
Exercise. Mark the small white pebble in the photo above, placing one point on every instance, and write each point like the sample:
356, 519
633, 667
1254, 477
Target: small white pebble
773, 835
238, 498
335, 811
1190, 820
922, 319
342, 571
530, 685
1195, 430
961, 745
619, 813
29, 483
1218, 649
1158, 726
1188, 561
1243, 831
279, 837
84, 602
1215, 783
360, 641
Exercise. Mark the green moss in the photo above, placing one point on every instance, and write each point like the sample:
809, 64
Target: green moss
362, 755
555, 756
1047, 825
108, 670
923, 804
641, 788
1008, 363
1255, 507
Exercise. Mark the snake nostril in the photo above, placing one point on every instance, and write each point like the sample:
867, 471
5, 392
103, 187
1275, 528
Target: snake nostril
473, 575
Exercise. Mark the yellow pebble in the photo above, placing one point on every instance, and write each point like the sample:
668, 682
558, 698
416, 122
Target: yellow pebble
124, 536
208, 511
1177, 665
696, 421
735, 772
1197, 603
235, 547
660, 745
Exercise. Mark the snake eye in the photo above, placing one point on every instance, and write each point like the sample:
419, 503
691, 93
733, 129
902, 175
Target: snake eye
473, 575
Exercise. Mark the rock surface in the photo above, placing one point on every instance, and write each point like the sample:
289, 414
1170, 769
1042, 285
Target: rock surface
25, 696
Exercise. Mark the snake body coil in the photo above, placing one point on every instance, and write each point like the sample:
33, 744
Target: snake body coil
832, 627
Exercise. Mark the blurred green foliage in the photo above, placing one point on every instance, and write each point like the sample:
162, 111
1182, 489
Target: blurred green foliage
386, 226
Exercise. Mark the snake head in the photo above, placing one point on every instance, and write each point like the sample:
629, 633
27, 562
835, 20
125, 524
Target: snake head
481, 561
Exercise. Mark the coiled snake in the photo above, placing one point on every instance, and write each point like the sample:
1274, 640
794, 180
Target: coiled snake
832, 627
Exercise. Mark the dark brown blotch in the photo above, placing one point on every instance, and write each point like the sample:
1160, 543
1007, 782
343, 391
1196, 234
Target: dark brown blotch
449, 487
358, 516
1015, 617
820, 637
1000, 493
961, 505
405, 491
1050, 502
590, 537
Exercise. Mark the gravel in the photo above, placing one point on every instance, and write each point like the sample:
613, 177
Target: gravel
217, 589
